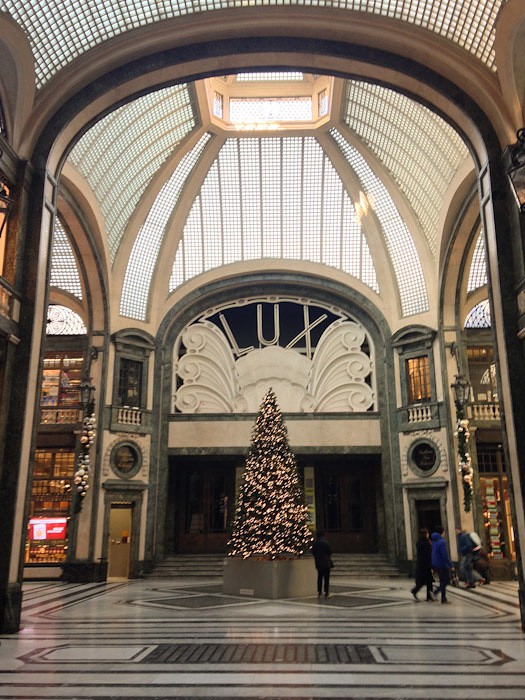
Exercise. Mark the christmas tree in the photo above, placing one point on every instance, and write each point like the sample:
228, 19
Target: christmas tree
271, 520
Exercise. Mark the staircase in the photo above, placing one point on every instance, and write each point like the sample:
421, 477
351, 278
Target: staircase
208, 566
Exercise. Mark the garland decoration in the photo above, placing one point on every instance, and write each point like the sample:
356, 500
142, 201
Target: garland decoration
81, 476
465, 461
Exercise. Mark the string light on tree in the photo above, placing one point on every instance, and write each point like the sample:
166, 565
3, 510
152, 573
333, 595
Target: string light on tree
271, 519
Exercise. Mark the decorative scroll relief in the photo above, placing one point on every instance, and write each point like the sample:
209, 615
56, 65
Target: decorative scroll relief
340, 370
337, 379
207, 371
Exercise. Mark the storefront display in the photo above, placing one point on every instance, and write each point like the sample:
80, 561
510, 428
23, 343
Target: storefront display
60, 394
50, 505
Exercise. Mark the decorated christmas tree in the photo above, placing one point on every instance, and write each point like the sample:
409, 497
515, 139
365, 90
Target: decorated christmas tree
271, 520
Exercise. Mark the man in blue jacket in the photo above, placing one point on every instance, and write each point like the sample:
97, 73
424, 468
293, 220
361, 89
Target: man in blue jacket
441, 561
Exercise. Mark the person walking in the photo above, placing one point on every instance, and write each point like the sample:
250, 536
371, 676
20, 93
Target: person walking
468, 548
441, 561
322, 553
424, 565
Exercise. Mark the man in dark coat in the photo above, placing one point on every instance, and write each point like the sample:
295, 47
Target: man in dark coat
424, 565
323, 563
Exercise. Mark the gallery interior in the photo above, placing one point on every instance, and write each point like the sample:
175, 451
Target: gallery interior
202, 201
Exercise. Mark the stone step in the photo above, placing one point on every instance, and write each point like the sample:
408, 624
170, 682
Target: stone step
211, 566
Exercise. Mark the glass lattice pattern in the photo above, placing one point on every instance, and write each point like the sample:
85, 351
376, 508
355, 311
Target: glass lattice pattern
401, 248
59, 32
273, 198
143, 258
273, 77
479, 316
64, 269
421, 151
122, 152
63, 321
478, 267
257, 110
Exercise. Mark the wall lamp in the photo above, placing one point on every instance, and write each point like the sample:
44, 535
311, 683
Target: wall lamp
516, 171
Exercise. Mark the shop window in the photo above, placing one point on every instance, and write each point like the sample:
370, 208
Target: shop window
60, 400
495, 503
50, 503
130, 383
418, 380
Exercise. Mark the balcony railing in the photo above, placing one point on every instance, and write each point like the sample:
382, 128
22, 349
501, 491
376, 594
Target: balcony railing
421, 413
129, 416
130, 419
53, 416
484, 411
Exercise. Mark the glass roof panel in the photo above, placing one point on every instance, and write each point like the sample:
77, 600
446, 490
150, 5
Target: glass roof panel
64, 269
247, 77
63, 321
59, 32
479, 316
121, 153
273, 198
421, 151
143, 258
478, 267
401, 248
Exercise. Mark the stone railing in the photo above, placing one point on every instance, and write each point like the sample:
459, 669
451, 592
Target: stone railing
9, 301
487, 411
421, 413
128, 416
130, 419
53, 416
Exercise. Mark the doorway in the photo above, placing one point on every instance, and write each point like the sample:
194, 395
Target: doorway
346, 503
203, 497
428, 514
119, 546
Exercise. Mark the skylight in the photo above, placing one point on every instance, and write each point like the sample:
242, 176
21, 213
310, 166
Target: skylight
275, 198
121, 153
64, 269
261, 111
399, 242
478, 267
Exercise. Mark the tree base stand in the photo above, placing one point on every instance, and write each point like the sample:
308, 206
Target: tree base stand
271, 579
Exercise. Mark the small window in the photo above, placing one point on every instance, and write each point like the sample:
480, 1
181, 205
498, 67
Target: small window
130, 383
418, 380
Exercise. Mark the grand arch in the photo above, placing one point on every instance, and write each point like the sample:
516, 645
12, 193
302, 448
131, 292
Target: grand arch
280, 39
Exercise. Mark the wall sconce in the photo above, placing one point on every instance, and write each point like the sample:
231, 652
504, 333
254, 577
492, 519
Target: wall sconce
516, 171
6, 204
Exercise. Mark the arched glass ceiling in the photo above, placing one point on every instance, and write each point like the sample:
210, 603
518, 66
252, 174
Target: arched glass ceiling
63, 321
143, 258
478, 267
403, 253
120, 154
59, 32
479, 316
421, 151
64, 269
273, 198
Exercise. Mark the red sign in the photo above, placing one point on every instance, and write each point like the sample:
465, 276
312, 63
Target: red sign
47, 528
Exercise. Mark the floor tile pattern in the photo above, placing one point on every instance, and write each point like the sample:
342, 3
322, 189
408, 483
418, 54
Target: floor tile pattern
166, 639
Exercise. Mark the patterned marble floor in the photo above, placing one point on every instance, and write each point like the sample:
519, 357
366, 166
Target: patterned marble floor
160, 639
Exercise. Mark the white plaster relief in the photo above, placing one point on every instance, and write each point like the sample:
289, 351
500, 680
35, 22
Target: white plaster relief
207, 370
335, 380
